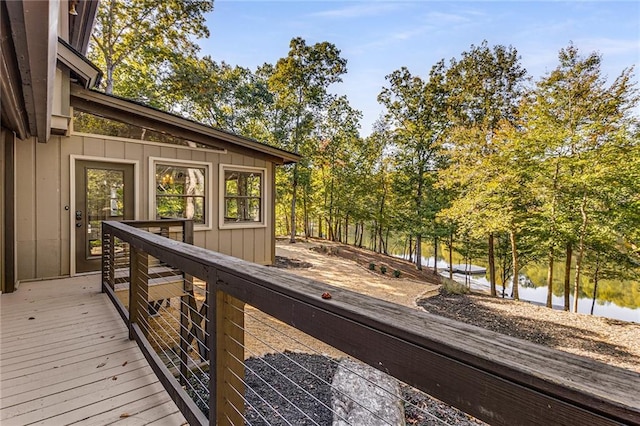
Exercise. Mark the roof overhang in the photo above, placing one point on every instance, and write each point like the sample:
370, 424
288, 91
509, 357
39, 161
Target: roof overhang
29, 42
130, 112
81, 25
84, 70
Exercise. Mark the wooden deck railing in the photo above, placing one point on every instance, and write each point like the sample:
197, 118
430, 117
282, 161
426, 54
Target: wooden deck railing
496, 378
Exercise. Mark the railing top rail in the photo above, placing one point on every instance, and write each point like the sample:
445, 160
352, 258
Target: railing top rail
477, 370
158, 222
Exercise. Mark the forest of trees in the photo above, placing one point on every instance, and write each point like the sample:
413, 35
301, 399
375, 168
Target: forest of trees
474, 155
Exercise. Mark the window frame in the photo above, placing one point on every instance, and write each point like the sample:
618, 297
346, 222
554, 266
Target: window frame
208, 190
262, 223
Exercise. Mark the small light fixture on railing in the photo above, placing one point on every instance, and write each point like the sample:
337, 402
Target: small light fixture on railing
72, 7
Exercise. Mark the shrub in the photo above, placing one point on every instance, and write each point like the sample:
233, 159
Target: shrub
383, 269
372, 266
396, 273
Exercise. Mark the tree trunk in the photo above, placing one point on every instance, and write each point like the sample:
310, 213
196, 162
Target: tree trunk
567, 276
435, 255
595, 284
492, 266
305, 212
410, 248
383, 249
386, 242
293, 203
552, 242
451, 256
419, 252
550, 279
320, 227
355, 234
109, 80
516, 269
581, 248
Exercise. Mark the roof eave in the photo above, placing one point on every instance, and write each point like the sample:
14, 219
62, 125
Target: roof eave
131, 112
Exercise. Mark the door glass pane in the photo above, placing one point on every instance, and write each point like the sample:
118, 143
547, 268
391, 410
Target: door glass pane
105, 201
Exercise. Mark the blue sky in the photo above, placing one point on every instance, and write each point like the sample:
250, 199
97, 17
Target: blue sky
378, 37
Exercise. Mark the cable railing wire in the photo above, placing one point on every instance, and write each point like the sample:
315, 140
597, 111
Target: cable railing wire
333, 361
145, 325
162, 326
269, 385
305, 369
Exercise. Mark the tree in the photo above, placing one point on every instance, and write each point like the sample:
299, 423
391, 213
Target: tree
336, 163
229, 98
485, 87
137, 42
300, 83
416, 110
581, 128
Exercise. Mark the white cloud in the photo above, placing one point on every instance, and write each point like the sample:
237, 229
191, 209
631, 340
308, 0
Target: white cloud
446, 18
608, 46
357, 11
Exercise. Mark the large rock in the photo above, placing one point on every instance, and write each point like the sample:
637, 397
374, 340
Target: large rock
362, 395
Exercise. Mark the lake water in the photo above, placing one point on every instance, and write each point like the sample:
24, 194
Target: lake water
535, 290
538, 295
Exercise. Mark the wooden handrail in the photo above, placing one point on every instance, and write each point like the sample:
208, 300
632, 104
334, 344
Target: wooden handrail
496, 378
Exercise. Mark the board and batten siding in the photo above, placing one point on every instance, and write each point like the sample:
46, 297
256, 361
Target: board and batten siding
43, 199
3, 134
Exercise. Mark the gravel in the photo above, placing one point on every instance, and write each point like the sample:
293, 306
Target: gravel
313, 397
272, 397
610, 341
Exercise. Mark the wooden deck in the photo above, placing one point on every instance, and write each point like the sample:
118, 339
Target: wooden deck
65, 358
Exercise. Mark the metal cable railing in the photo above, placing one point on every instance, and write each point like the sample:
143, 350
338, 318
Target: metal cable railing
236, 343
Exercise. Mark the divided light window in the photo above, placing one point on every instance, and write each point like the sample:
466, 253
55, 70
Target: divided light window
181, 192
243, 196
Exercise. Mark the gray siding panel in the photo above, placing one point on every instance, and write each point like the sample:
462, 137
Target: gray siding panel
43, 222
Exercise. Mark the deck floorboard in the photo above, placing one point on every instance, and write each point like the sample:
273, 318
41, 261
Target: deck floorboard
72, 362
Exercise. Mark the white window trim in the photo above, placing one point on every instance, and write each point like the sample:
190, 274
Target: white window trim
263, 199
208, 225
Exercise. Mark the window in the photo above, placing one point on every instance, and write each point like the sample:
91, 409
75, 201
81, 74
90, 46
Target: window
242, 190
181, 191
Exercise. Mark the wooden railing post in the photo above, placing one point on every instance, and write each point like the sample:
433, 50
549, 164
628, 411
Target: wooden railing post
229, 365
187, 232
138, 289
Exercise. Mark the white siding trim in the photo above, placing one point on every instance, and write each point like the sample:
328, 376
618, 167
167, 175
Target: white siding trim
209, 190
264, 202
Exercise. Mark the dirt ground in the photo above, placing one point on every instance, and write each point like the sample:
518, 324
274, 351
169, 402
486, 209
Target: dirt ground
318, 260
611, 341
348, 267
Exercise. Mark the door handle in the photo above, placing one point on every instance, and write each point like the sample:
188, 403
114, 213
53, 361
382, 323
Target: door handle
78, 215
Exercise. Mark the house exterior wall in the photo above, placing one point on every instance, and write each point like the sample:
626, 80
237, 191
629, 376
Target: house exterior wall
44, 197
3, 135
